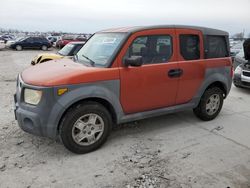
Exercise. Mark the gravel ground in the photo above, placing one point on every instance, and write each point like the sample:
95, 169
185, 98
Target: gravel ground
176, 150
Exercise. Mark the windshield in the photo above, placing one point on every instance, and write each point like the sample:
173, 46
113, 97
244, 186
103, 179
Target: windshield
22, 39
19, 39
100, 48
65, 51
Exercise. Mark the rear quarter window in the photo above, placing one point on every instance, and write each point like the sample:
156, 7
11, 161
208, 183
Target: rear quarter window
216, 47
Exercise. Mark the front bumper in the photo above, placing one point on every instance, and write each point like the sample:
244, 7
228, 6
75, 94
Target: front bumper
42, 119
29, 122
238, 81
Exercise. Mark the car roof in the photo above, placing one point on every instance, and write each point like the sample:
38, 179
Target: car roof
204, 30
35, 37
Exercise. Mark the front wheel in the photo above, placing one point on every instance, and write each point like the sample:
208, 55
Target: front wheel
210, 104
85, 127
19, 47
44, 47
238, 86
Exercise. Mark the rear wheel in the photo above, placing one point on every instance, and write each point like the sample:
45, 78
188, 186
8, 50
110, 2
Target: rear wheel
85, 127
19, 47
44, 47
210, 104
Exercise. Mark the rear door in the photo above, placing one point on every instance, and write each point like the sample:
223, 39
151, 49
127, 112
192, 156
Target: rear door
151, 85
191, 62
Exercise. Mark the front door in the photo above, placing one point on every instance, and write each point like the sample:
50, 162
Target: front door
154, 84
28, 43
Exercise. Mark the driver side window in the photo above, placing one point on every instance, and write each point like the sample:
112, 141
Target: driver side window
152, 49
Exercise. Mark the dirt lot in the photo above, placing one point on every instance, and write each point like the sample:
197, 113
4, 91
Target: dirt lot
175, 150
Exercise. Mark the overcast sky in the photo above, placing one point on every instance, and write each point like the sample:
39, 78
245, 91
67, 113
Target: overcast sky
93, 15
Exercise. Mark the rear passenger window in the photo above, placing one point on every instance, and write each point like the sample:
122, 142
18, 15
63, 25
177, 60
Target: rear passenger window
216, 47
153, 49
190, 47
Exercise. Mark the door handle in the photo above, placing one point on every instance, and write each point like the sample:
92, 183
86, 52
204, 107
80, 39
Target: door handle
175, 73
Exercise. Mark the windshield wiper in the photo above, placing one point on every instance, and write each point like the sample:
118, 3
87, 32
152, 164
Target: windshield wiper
91, 61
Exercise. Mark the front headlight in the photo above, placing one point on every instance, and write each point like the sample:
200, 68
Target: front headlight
32, 96
238, 70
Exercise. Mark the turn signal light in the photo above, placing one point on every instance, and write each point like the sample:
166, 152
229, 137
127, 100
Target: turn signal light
62, 91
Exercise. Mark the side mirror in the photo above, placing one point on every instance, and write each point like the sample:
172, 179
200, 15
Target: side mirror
135, 61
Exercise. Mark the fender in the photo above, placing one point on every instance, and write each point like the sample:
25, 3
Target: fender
213, 75
106, 90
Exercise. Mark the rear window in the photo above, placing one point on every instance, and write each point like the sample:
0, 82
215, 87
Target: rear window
216, 47
190, 47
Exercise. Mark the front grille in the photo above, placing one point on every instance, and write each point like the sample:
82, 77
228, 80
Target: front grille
246, 73
246, 84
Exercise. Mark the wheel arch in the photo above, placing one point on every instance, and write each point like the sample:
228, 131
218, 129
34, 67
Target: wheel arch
99, 100
216, 77
220, 85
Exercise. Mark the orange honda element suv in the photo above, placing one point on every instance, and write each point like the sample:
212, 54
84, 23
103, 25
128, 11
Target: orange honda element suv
122, 75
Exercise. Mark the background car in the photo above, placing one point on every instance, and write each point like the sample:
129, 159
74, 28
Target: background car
239, 59
242, 72
67, 39
7, 37
31, 42
234, 50
2, 44
69, 50
12, 41
53, 39
242, 75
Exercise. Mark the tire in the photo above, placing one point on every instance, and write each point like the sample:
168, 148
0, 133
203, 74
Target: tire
238, 86
208, 107
44, 47
77, 130
19, 47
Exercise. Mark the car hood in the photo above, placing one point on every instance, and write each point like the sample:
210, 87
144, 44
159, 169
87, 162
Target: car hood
246, 66
65, 71
49, 54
